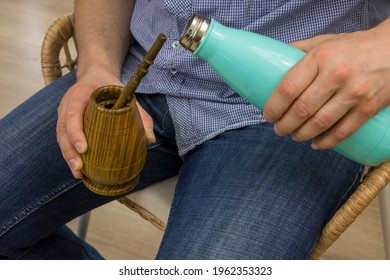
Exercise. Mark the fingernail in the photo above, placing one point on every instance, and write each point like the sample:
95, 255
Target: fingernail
80, 147
150, 136
73, 165
76, 175
277, 131
315, 146
266, 117
294, 137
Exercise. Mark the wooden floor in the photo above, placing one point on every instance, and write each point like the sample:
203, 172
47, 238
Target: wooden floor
115, 231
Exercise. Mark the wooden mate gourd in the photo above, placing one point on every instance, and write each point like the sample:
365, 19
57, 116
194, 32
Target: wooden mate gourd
115, 134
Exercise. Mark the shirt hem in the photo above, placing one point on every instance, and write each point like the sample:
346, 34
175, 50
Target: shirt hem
184, 151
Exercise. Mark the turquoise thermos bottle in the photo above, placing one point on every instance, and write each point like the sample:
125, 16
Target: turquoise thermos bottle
253, 65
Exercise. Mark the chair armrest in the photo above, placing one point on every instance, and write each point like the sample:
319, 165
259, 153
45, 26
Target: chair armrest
56, 39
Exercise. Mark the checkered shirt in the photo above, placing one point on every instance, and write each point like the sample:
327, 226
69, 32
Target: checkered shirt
201, 104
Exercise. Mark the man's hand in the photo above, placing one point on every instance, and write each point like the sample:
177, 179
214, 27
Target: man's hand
103, 40
70, 134
343, 81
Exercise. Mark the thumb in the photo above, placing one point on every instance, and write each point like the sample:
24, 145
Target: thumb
308, 44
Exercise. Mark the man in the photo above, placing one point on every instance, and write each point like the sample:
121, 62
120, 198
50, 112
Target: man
244, 192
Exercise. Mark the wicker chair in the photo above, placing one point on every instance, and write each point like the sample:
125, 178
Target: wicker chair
159, 196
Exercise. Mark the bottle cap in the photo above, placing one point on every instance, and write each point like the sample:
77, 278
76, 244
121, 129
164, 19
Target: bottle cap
194, 32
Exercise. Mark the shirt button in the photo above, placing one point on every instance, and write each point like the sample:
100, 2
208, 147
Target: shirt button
173, 71
176, 45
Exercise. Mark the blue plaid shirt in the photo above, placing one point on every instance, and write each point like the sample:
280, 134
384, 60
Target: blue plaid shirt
201, 104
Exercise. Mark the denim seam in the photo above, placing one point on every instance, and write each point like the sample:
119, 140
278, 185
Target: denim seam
31, 208
163, 122
153, 145
357, 178
19, 257
174, 199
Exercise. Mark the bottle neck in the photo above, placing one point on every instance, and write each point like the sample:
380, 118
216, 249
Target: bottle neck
194, 32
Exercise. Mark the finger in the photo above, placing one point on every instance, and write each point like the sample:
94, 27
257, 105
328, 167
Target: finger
295, 82
69, 153
74, 123
305, 106
147, 122
334, 110
308, 44
74, 128
77, 174
360, 112
340, 131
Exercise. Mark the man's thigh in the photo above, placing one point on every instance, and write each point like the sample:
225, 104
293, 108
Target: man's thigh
38, 193
249, 194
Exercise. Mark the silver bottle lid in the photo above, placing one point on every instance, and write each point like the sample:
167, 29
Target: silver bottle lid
194, 32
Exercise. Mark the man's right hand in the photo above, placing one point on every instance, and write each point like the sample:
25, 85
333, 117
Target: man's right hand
70, 134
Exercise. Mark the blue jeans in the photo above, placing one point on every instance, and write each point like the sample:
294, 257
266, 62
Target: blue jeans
246, 194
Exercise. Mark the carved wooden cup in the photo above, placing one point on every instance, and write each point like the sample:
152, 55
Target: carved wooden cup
116, 144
